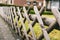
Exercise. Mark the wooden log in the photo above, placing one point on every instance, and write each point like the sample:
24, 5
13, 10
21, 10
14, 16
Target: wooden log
31, 17
56, 13
51, 27
41, 23
46, 21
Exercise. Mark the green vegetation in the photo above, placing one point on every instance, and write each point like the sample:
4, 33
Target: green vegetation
54, 35
32, 12
45, 12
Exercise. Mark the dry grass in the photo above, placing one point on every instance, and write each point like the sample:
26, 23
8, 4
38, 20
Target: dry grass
54, 35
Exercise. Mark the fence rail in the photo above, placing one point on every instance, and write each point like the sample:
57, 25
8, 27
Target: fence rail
13, 15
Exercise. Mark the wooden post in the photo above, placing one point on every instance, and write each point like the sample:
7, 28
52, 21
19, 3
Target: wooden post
51, 27
27, 17
41, 23
22, 23
56, 13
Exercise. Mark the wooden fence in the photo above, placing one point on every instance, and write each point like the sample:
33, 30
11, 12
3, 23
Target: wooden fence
17, 18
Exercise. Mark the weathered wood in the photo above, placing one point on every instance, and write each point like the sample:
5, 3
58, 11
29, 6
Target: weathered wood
30, 26
41, 10
56, 13
33, 23
23, 24
47, 21
12, 17
25, 17
32, 17
15, 24
51, 27
41, 23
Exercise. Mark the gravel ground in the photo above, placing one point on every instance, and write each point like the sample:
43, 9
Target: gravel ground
5, 33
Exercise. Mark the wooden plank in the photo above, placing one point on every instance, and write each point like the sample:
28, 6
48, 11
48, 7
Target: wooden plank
33, 23
23, 24
24, 16
41, 23
27, 17
56, 13
34, 19
12, 16
15, 24
51, 27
